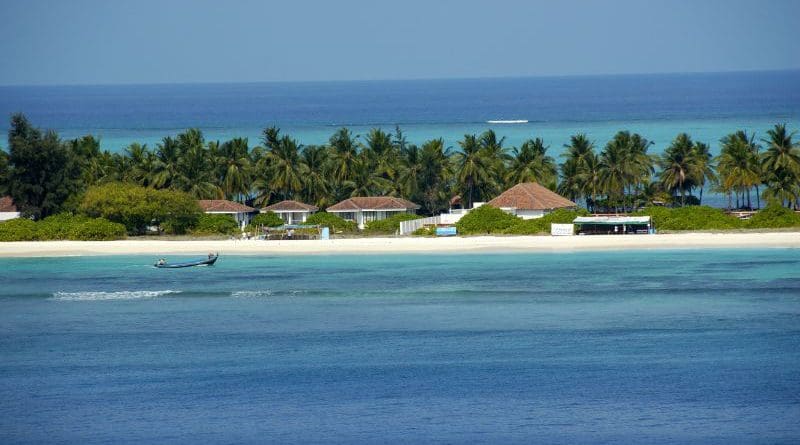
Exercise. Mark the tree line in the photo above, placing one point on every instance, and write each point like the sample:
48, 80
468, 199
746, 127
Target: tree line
45, 175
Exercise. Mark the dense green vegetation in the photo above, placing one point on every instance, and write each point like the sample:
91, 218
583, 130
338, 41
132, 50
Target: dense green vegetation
389, 225
148, 187
138, 208
542, 225
335, 223
690, 218
774, 216
215, 224
489, 220
61, 227
484, 220
267, 219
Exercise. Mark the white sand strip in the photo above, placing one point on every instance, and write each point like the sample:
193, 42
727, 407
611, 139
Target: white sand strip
404, 245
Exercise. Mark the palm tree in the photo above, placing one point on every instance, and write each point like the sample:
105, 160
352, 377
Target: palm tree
410, 171
570, 184
532, 164
574, 171
286, 172
365, 181
381, 153
738, 166
434, 176
195, 167
590, 180
781, 166
233, 160
677, 166
496, 158
615, 170
343, 155
704, 167
165, 165
474, 171
316, 188
142, 164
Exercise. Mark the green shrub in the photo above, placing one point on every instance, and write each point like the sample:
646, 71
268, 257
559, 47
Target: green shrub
215, 224
137, 207
773, 216
486, 219
542, 225
425, 231
331, 221
61, 227
97, 229
19, 229
58, 227
268, 219
690, 218
389, 225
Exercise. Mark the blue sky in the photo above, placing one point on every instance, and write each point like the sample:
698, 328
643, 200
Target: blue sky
89, 42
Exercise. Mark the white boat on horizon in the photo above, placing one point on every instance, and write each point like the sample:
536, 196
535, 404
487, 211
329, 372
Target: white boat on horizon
512, 121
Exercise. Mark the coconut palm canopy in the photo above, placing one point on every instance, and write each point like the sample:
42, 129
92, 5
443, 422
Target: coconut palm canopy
623, 175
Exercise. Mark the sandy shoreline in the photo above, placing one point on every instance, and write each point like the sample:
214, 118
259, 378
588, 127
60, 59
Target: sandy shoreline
403, 245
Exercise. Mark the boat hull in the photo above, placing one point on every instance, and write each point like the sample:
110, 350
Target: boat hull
206, 262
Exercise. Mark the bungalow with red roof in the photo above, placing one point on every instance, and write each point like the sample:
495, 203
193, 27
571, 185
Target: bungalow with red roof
7, 209
292, 212
363, 209
240, 212
530, 200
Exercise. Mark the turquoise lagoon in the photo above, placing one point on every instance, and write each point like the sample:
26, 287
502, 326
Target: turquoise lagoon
650, 346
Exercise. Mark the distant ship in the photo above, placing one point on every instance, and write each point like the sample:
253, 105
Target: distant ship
513, 121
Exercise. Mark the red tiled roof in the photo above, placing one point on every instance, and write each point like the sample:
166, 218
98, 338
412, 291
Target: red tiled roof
223, 206
7, 204
290, 206
372, 203
530, 196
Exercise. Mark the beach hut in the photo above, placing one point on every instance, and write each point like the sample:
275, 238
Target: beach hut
292, 212
7, 209
530, 200
364, 209
240, 212
613, 225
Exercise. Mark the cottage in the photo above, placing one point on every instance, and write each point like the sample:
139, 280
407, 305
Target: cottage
292, 212
530, 200
240, 212
7, 209
362, 210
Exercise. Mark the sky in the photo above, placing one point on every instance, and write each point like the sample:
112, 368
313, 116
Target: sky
189, 41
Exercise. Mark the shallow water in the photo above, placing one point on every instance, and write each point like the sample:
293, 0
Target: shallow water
649, 347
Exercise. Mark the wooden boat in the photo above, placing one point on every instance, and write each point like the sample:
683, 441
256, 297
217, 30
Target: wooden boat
203, 262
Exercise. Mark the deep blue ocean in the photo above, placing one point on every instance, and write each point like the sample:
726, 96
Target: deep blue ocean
659, 106
648, 347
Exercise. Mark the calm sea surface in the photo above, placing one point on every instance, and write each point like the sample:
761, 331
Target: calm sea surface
643, 347
708, 106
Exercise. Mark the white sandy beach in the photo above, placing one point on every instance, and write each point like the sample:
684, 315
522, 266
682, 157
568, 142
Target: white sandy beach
404, 245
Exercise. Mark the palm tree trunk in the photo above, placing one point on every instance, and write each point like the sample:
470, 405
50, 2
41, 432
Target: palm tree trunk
702, 186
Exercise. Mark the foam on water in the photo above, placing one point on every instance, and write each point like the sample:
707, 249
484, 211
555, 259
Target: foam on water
252, 293
119, 295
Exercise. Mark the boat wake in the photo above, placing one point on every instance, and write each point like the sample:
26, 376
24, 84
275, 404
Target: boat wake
251, 294
512, 121
104, 296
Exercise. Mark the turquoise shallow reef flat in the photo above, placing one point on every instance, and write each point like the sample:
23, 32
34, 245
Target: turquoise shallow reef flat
665, 346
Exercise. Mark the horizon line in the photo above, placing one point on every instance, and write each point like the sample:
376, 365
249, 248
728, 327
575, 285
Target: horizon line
412, 79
